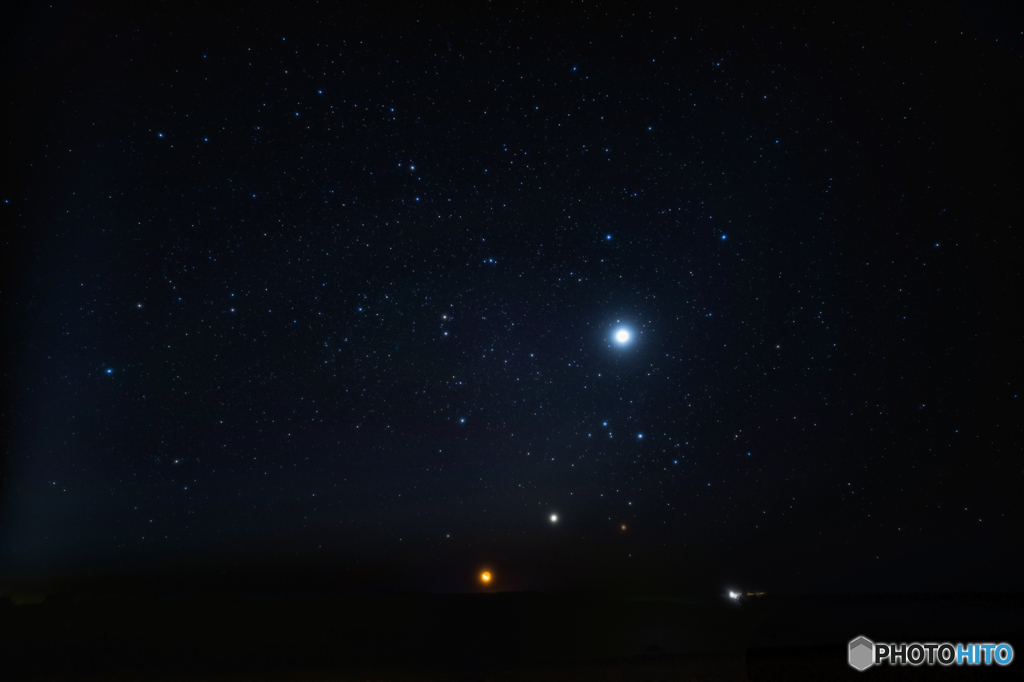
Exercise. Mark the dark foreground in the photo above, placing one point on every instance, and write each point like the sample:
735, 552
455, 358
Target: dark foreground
511, 636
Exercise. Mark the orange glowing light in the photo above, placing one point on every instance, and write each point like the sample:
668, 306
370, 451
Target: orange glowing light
623, 526
485, 576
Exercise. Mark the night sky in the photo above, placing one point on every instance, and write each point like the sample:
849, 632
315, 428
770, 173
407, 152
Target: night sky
336, 291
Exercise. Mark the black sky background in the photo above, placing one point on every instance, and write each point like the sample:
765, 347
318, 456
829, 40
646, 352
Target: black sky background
329, 294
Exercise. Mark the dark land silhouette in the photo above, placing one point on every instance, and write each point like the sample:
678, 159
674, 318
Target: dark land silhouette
235, 634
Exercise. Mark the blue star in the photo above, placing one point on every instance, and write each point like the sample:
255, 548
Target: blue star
109, 370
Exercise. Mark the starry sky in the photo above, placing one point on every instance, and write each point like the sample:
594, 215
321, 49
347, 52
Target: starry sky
336, 291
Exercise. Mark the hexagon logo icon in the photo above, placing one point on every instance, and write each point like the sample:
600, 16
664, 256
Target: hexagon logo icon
861, 653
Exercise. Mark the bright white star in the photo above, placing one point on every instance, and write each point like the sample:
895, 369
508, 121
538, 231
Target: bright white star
622, 336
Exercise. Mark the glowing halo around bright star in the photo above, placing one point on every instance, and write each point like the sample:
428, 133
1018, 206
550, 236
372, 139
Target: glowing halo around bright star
622, 336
